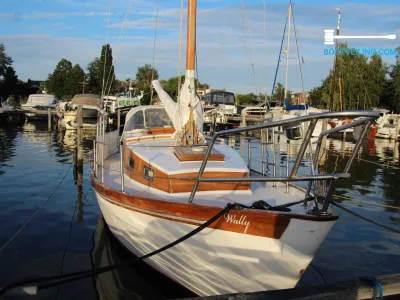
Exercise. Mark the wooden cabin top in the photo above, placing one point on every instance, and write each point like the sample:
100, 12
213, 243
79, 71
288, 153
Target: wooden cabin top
161, 154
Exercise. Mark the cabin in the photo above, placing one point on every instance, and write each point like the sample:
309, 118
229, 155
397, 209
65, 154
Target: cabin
152, 159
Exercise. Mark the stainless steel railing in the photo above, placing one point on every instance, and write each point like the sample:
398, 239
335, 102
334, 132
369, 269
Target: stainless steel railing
365, 119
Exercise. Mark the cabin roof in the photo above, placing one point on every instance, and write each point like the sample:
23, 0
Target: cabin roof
87, 99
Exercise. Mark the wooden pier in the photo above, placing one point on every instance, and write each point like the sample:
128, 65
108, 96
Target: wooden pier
346, 290
11, 115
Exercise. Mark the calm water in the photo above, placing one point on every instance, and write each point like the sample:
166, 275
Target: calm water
69, 234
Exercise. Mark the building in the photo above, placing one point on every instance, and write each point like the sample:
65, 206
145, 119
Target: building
299, 98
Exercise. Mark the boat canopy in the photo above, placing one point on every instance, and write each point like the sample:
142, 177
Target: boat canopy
41, 100
87, 99
289, 106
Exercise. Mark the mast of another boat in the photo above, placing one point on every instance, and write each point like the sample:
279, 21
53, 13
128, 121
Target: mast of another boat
334, 62
287, 54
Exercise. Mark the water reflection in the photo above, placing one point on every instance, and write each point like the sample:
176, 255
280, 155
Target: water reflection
33, 161
138, 282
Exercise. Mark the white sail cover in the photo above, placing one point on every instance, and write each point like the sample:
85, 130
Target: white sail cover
179, 112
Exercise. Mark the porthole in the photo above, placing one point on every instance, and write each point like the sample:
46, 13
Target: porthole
131, 163
148, 173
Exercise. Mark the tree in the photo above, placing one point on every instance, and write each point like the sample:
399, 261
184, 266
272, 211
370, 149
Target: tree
76, 76
9, 82
391, 93
57, 81
279, 93
171, 85
5, 61
360, 82
8, 79
95, 77
245, 99
108, 74
144, 76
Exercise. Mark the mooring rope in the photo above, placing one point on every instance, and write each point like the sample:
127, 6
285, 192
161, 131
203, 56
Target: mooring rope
37, 211
69, 277
69, 238
366, 160
364, 218
367, 202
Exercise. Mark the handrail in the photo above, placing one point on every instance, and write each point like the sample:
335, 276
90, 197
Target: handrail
276, 179
328, 115
366, 118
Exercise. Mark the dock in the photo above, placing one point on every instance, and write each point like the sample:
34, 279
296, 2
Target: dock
345, 290
8, 115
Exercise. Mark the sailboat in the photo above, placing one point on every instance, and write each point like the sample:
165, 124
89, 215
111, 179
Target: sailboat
163, 178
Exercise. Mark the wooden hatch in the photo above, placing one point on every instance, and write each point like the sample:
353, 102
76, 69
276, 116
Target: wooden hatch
190, 149
194, 153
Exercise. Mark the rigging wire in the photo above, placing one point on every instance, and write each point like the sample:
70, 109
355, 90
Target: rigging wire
37, 211
362, 80
265, 51
246, 26
105, 56
120, 40
154, 53
298, 55
279, 59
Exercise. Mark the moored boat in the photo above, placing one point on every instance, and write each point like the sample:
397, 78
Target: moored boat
163, 178
37, 106
91, 106
388, 127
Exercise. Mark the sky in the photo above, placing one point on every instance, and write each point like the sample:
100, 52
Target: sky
237, 45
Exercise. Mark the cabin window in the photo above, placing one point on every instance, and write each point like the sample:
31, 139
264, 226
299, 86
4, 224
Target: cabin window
136, 121
148, 173
131, 163
157, 118
222, 98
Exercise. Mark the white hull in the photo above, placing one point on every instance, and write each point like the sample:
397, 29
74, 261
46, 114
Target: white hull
70, 120
215, 261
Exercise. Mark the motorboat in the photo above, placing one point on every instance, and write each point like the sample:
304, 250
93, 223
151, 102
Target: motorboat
91, 106
389, 127
37, 106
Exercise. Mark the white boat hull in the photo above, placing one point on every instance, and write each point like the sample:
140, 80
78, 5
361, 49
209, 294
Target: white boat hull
214, 261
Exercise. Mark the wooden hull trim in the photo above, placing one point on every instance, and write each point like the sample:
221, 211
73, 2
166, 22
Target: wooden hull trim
213, 261
268, 224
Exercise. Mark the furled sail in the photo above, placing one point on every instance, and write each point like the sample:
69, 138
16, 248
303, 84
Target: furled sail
179, 112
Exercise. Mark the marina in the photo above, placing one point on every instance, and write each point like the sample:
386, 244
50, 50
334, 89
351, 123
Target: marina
156, 188
369, 250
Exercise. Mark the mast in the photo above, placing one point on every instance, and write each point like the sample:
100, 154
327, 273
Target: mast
83, 83
287, 51
334, 63
191, 38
